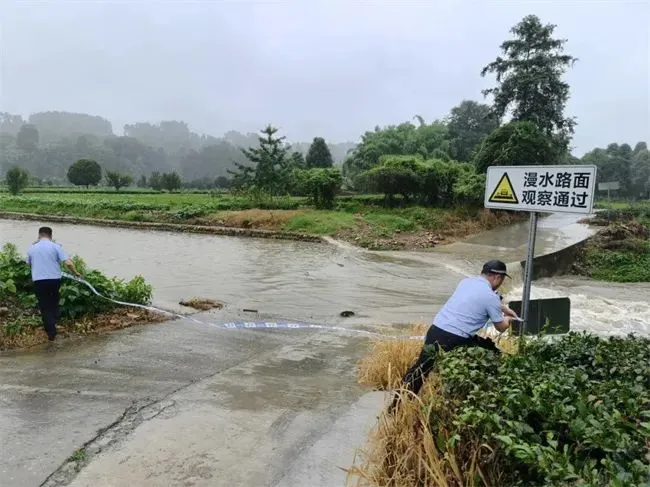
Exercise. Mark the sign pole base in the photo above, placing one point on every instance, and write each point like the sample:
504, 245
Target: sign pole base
528, 272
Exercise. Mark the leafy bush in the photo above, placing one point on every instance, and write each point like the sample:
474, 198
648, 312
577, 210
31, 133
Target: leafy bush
576, 411
432, 182
76, 299
320, 184
469, 189
17, 180
117, 180
85, 172
515, 144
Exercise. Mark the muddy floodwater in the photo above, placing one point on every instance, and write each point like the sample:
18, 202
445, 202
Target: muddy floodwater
181, 403
316, 282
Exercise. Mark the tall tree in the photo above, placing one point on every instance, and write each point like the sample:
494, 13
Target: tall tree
10, 124
618, 163
319, 154
171, 181
515, 144
155, 181
425, 140
271, 163
529, 80
118, 180
468, 124
85, 172
27, 138
17, 180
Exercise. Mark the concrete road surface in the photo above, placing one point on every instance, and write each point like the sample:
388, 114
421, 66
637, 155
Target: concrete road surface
179, 404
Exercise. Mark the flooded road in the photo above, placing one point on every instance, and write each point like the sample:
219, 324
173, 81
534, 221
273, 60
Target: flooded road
315, 282
181, 403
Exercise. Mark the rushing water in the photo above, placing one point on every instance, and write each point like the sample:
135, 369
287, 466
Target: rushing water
315, 282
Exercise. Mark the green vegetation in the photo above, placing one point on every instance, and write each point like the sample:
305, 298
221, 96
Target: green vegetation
629, 167
85, 172
420, 168
436, 163
117, 180
20, 322
17, 180
574, 411
362, 220
621, 251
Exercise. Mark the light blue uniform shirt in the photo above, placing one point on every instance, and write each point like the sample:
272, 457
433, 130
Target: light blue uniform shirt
469, 308
45, 257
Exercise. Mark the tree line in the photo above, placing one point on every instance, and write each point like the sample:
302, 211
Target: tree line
441, 162
47, 143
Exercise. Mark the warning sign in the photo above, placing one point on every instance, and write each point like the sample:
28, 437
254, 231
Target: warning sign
504, 192
544, 189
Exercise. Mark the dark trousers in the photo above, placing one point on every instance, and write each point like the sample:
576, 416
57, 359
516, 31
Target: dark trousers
439, 340
47, 294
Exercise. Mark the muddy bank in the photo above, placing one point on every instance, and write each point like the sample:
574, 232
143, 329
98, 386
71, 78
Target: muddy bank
619, 252
385, 234
170, 227
31, 334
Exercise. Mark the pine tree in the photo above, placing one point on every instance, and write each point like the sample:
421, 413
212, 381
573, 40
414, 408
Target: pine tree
529, 80
270, 164
319, 154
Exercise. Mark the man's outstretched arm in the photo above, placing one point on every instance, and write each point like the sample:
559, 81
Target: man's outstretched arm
70, 265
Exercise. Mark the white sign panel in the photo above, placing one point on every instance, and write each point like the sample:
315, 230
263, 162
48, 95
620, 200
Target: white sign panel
546, 189
607, 186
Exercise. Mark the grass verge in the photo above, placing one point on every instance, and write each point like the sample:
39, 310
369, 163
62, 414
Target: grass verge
360, 221
575, 411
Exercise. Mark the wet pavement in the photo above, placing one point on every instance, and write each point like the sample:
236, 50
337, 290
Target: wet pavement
179, 404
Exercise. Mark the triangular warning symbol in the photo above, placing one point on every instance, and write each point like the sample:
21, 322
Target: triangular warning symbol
504, 192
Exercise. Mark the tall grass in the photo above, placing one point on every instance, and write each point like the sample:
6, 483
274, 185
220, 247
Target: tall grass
572, 411
401, 451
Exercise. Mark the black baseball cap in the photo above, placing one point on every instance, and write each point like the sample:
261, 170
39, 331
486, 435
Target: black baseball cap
495, 267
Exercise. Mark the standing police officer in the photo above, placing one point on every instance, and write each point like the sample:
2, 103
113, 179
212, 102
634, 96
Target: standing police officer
45, 258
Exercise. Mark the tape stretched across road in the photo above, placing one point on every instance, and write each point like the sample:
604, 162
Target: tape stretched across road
239, 325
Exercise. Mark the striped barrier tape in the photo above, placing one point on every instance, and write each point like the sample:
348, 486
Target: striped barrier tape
239, 325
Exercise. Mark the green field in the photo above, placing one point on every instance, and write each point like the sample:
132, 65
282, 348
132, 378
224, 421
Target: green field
361, 220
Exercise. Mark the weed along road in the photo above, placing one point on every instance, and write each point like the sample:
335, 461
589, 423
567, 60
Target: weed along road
179, 403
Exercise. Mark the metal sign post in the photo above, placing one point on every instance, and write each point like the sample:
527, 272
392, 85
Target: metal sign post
528, 272
539, 189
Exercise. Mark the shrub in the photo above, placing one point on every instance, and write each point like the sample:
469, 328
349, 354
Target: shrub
76, 299
85, 172
320, 184
17, 180
577, 410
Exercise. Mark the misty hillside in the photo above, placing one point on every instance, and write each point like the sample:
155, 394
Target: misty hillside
48, 142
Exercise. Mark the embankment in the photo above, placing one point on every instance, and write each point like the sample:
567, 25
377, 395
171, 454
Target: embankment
170, 227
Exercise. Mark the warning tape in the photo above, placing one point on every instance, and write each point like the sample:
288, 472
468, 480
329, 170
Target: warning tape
245, 325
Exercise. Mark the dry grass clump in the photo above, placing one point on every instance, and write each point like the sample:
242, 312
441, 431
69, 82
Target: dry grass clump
402, 451
264, 219
388, 360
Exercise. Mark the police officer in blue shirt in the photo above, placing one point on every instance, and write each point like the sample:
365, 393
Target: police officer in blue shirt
467, 311
45, 258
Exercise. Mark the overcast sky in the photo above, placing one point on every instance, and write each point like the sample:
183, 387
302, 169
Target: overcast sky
313, 68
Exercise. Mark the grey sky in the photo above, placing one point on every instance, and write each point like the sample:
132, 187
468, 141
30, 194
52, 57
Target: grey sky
332, 69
